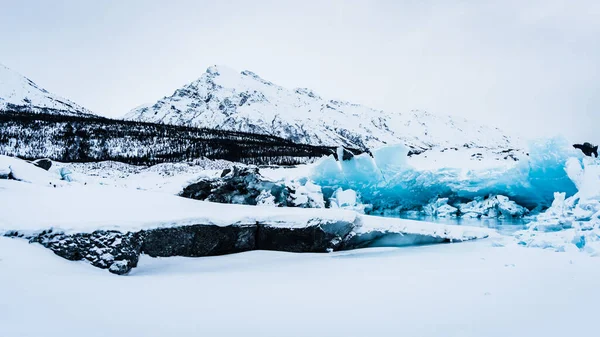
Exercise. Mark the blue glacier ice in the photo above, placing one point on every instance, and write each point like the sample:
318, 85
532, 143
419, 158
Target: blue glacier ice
389, 180
571, 223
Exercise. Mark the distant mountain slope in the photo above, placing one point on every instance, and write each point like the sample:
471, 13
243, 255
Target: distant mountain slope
225, 99
18, 93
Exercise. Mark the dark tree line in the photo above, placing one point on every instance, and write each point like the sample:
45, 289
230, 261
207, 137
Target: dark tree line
92, 138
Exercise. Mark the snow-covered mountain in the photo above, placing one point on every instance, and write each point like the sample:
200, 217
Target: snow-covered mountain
18, 93
225, 99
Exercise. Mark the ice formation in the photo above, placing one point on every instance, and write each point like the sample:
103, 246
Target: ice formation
571, 223
347, 199
440, 208
491, 207
391, 180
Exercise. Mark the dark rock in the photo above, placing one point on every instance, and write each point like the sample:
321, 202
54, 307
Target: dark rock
343, 153
243, 185
225, 172
199, 240
347, 155
314, 238
45, 163
101, 248
587, 149
415, 152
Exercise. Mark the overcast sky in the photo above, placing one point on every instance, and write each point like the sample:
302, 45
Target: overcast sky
530, 67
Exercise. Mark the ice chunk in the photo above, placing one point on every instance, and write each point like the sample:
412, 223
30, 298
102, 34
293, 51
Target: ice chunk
347, 199
440, 208
307, 195
493, 206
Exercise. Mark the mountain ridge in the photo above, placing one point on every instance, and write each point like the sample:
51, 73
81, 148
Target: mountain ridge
19, 93
223, 98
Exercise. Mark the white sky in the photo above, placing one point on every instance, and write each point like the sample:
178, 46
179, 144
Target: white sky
529, 67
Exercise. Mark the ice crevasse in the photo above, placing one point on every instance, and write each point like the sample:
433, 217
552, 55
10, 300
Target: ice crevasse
390, 180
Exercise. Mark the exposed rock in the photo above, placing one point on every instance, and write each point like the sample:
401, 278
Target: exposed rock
316, 238
225, 172
343, 154
119, 252
199, 240
587, 149
45, 163
102, 249
243, 185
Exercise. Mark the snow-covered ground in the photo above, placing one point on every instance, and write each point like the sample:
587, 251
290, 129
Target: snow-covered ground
495, 286
466, 289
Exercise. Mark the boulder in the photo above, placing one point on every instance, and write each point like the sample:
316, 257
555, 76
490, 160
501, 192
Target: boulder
242, 185
45, 163
587, 149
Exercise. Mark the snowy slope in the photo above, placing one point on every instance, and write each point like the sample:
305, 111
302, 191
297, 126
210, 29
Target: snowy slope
18, 93
225, 99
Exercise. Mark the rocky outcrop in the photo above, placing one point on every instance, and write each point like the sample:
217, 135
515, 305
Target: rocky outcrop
587, 149
242, 185
245, 185
44, 163
315, 238
119, 252
199, 240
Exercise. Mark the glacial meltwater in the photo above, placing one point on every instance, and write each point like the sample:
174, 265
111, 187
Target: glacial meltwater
504, 226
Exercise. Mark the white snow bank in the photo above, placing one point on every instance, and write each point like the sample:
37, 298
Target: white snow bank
24, 171
30, 208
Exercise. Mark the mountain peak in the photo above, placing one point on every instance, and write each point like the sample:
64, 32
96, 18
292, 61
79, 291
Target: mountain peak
18, 93
219, 69
243, 101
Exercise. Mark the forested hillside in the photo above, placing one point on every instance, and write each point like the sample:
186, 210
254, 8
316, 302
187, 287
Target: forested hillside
83, 138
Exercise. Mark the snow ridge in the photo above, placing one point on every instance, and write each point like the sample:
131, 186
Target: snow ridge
18, 93
222, 98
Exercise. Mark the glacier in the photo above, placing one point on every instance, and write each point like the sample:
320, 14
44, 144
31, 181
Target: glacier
571, 223
390, 181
